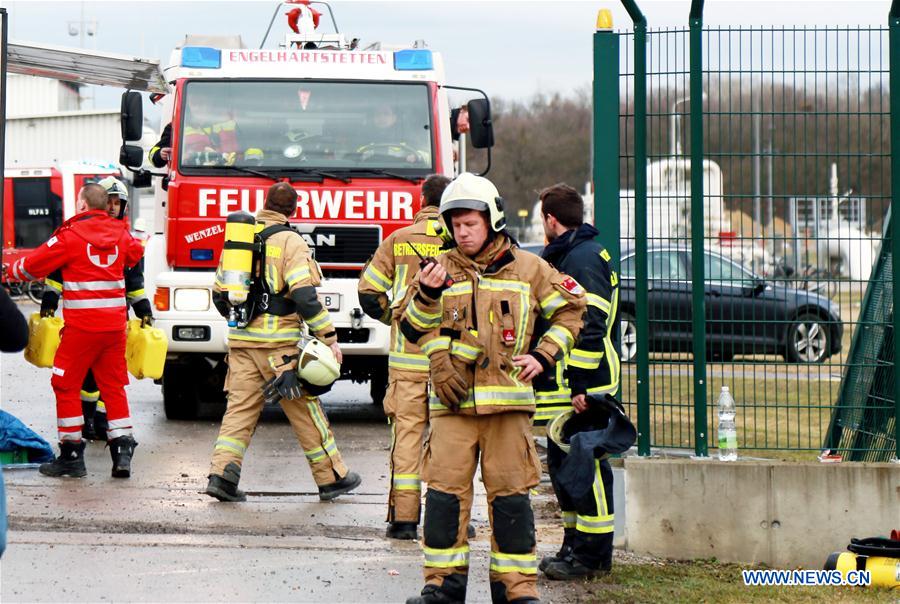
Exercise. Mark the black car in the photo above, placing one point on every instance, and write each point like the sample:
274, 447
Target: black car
744, 313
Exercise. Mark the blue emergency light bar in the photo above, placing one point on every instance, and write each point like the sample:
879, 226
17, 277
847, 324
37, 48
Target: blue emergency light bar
413, 60
201, 57
201, 254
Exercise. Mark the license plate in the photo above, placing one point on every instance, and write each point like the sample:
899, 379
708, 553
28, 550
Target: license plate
331, 302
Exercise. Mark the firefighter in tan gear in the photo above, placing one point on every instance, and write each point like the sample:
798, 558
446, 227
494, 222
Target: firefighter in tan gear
267, 347
391, 269
473, 312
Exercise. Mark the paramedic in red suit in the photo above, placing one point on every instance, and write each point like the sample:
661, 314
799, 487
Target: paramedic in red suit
92, 251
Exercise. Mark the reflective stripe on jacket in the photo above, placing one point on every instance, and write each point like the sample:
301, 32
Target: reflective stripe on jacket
391, 269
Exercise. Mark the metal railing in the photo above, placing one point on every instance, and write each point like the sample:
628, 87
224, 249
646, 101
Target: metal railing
752, 173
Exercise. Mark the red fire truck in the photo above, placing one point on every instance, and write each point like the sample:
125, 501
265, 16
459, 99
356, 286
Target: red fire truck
37, 200
355, 130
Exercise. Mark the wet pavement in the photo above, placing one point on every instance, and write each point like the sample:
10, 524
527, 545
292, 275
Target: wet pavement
157, 537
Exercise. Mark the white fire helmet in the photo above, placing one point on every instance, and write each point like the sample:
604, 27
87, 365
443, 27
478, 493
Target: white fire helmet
470, 192
317, 364
114, 186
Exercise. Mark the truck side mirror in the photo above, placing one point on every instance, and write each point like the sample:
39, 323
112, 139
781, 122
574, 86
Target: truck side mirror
131, 156
132, 116
481, 131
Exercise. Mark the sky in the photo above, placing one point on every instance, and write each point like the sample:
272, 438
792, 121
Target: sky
512, 50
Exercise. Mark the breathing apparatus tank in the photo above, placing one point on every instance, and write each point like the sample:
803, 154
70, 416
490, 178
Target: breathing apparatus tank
237, 263
877, 555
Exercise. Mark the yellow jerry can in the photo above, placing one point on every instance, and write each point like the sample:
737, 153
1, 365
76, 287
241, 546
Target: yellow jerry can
145, 350
43, 339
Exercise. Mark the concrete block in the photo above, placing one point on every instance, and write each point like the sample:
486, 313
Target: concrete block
783, 514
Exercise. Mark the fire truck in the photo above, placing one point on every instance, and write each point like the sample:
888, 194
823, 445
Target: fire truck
37, 200
355, 129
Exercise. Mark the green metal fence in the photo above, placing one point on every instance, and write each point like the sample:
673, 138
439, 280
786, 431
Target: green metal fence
753, 184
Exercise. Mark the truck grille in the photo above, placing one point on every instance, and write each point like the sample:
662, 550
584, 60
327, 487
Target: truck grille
342, 244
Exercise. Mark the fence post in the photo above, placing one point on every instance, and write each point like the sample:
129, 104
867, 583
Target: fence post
642, 320
606, 135
701, 431
894, 45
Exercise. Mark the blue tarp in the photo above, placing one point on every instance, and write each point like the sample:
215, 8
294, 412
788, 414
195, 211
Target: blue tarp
15, 435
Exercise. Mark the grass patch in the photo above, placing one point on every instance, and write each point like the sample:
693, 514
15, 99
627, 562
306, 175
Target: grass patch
670, 582
780, 413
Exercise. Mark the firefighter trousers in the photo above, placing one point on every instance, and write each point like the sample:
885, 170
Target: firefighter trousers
406, 406
104, 354
509, 468
248, 370
588, 524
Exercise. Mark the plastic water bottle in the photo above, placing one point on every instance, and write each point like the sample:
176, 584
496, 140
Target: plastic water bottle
727, 431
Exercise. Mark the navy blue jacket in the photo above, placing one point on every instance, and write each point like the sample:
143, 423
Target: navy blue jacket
593, 365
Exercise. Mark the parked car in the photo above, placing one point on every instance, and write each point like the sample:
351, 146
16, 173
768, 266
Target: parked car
745, 314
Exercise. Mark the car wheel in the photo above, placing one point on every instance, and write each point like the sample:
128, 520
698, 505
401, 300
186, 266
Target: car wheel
808, 339
628, 329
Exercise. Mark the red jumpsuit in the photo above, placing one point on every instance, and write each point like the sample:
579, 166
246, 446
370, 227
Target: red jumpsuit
92, 250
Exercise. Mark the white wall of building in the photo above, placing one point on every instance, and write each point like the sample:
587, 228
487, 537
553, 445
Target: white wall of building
45, 140
28, 95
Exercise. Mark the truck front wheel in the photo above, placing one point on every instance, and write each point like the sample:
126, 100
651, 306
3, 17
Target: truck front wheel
379, 382
191, 384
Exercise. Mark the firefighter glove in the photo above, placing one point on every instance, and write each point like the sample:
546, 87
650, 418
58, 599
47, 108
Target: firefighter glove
49, 302
143, 311
284, 386
446, 381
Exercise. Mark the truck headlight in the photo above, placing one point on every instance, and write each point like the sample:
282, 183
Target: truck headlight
192, 299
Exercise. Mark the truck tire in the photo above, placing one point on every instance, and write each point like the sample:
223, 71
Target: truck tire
378, 383
193, 385
178, 399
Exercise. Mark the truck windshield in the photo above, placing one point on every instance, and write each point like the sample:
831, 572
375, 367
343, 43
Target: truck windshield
279, 126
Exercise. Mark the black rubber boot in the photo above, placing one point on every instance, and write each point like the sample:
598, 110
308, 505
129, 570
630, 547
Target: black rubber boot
69, 463
121, 450
453, 591
403, 530
564, 551
101, 425
569, 569
87, 429
224, 488
344, 485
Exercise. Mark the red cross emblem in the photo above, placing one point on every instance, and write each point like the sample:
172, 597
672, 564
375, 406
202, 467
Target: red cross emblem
102, 258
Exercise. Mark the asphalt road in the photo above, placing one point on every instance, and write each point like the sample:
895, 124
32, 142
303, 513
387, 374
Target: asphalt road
157, 537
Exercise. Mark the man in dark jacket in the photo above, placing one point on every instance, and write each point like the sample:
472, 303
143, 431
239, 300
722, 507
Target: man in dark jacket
591, 369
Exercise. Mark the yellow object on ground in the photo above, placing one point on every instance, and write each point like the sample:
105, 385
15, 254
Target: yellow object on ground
145, 350
43, 339
885, 572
